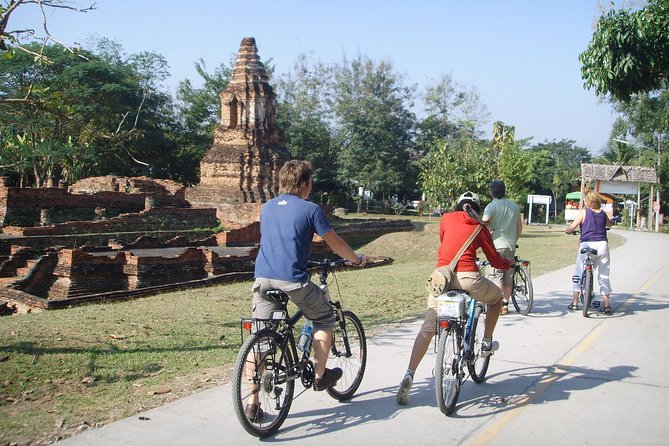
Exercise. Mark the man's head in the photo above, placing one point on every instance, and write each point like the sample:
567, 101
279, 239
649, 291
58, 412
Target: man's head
497, 189
469, 198
294, 177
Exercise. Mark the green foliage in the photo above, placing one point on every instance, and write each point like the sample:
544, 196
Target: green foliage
453, 166
200, 108
516, 168
644, 121
304, 116
556, 168
450, 110
86, 114
74, 101
374, 127
629, 52
620, 154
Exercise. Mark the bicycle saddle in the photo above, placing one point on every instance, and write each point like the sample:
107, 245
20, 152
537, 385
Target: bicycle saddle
277, 295
592, 251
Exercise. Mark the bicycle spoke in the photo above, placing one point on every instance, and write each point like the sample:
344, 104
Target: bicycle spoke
261, 390
349, 353
447, 371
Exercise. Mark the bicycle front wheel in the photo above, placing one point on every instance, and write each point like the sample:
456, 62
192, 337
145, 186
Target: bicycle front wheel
586, 291
349, 353
447, 372
477, 365
522, 294
262, 392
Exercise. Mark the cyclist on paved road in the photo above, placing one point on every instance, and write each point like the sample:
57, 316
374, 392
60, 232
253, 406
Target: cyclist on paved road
287, 227
503, 219
454, 230
593, 221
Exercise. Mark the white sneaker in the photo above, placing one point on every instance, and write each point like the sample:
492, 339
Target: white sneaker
403, 392
488, 348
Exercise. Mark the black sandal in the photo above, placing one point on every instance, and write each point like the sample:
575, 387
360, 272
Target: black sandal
606, 310
573, 307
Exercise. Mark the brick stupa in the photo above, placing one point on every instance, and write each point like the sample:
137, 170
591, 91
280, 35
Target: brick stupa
240, 171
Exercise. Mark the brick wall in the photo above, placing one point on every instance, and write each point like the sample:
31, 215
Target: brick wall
32, 206
242, 236
150, 220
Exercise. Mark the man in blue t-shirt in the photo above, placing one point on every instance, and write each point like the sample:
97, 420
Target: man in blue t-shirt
287, 226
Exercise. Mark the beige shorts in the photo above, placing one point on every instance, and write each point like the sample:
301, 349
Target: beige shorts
309, 297
503, 276
475, 284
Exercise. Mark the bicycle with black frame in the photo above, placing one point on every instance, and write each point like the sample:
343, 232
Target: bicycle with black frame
522, 291
270, 360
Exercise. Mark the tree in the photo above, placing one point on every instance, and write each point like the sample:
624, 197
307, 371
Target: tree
557, 167
450, 110
644, 117
375, 127
200, 108
644, 121
455, 165
629, 52
307, 121
620, 154
84, 115
18, 39
516, 167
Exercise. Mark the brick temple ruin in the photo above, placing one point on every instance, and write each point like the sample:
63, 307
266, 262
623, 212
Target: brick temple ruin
241, 169
112, 237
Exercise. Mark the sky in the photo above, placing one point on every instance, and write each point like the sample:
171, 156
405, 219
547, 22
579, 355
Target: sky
520, 55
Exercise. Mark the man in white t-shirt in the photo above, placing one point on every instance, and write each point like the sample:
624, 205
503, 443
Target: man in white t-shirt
503, 219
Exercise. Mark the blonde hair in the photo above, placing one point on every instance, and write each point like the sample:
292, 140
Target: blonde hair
592, 200
294, 176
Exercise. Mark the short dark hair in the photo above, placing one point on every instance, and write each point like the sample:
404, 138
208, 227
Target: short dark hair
497, 189
293, 176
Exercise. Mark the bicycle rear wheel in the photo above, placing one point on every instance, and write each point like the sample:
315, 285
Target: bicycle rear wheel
348, 332
261, 374
586, 291
522, 294
447, 372
477, 365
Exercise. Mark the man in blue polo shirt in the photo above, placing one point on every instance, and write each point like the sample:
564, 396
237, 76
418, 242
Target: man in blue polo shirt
287, 226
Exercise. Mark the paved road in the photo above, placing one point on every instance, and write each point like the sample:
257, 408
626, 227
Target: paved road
558, 378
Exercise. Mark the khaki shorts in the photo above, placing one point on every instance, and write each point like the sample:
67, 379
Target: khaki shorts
503, 276
475, 284
314, 302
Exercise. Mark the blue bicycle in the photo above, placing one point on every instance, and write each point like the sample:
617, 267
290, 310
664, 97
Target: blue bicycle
460, 327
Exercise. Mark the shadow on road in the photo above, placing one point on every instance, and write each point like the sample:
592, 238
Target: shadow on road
539, 385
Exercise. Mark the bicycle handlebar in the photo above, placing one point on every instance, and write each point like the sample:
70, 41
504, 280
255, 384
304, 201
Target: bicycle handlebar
517, 261
328, 264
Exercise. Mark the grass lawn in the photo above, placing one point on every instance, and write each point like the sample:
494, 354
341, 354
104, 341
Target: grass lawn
66, 370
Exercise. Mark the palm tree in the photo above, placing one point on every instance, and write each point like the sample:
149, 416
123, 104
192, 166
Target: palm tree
620, 154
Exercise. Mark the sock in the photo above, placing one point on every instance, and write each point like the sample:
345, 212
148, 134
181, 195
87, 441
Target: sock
409, 373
